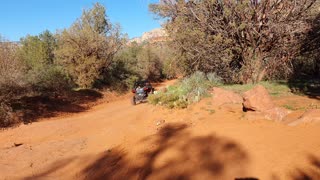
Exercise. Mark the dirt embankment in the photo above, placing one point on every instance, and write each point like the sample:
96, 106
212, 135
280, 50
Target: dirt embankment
116, 140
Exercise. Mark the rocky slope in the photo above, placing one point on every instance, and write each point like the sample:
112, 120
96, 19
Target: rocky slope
155, 35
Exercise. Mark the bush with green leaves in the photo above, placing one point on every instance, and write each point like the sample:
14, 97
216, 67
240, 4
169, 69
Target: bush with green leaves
214, 79
87, 48
189, 90
12, 81
42, 73
49, 79
28, 69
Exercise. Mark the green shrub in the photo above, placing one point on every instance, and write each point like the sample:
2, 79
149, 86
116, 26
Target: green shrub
129, 82
87, 48
214, 79
49, 79
169, 100
195, 86
189, 90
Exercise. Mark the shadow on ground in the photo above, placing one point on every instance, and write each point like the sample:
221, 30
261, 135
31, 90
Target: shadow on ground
312, 173
172, 153
30, 109
311, 88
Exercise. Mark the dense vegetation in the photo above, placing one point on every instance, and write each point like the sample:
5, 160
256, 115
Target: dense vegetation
209, 41
243, 41
144, 61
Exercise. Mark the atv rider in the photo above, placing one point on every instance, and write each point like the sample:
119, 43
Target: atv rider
139, 90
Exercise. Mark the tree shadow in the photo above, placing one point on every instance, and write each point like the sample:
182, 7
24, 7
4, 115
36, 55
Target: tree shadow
173, 153
310, 87
30, 109
112, 164
312, 173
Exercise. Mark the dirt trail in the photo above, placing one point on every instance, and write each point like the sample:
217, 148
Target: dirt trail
120, 141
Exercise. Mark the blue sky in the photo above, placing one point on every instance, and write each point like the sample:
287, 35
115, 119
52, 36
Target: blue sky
21, 17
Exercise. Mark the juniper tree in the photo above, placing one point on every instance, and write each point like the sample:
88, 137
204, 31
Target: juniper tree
243, 41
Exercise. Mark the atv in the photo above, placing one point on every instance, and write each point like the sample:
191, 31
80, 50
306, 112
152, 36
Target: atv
141, 89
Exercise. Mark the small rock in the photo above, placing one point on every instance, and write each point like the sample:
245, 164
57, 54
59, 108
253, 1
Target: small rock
17, 144
160, 122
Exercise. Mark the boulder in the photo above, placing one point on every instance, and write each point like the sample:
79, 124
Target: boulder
222, 96
257, 99
310, 116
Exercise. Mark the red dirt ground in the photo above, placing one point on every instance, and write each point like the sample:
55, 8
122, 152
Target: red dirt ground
116, 140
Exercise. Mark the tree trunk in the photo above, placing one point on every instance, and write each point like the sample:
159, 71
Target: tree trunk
261, 75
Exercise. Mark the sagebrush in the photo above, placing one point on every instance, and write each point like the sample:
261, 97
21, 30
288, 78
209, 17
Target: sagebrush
189, 90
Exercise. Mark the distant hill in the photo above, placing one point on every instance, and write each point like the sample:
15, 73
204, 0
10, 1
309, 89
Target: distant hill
153, 36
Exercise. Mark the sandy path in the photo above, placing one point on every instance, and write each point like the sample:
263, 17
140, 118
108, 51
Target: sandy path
120, 141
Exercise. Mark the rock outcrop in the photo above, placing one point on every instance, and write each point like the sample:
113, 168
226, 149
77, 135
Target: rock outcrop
259, 101
310, 116
155, 35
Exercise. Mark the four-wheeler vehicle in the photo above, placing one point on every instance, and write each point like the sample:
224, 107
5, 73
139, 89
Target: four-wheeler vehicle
141, 89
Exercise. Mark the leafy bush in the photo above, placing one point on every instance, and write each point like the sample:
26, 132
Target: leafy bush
170, 69
187, 91
12, 81
137, 62
26, 70
129, 82
49, 79
175, 96
86, 49
214, 79
195, 86
6, 116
